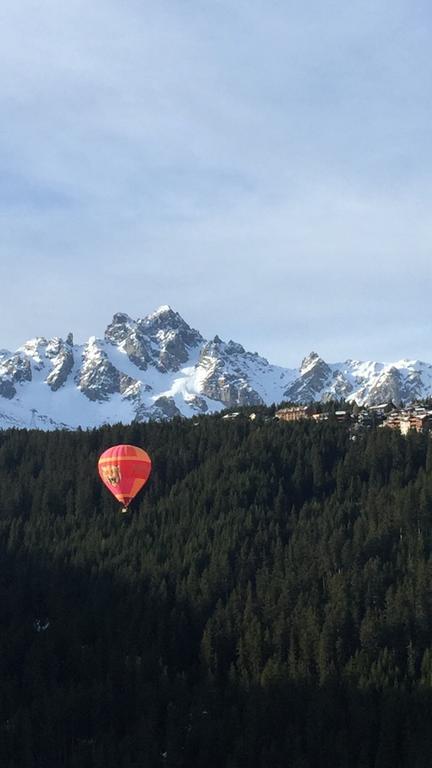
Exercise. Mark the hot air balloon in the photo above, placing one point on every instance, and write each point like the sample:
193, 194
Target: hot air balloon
124, 469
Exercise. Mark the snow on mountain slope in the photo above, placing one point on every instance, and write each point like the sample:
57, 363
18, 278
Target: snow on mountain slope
158, 367
367, 383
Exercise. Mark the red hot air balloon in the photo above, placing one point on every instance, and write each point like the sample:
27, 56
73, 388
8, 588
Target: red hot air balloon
124, 469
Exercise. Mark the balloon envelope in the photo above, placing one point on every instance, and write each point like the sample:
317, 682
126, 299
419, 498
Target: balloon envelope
124, 469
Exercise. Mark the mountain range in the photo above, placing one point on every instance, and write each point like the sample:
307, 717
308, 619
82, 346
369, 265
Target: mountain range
159, 367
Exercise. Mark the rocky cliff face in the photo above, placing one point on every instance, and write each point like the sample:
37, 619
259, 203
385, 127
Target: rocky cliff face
158, 367
62, 359
224, 374
98, 378
315, 376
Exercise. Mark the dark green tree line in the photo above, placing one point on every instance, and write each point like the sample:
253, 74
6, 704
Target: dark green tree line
267, 602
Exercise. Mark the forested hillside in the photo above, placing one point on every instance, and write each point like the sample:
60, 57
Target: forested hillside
267, 603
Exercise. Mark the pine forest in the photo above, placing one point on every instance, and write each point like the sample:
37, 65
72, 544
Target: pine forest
266, 603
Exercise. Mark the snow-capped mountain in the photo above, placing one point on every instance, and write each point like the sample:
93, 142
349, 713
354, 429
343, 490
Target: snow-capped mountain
159, 367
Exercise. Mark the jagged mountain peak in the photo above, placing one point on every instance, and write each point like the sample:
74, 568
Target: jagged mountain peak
164, 311
119, 328
32, 346
164, 316
218, 346
310, 361
166, 319
121, 318
162, 338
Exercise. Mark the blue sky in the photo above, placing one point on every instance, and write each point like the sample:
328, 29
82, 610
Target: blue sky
262, 166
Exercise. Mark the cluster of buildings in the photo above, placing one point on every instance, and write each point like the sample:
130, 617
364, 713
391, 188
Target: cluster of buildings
301, 412
405, 419
416, 417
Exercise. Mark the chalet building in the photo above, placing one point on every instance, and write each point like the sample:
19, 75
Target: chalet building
231, 416
295, 413
422, 422
381, 411
405, 425
320, 416
417, 419
382, 408
392, 420
339, 415
300, 412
